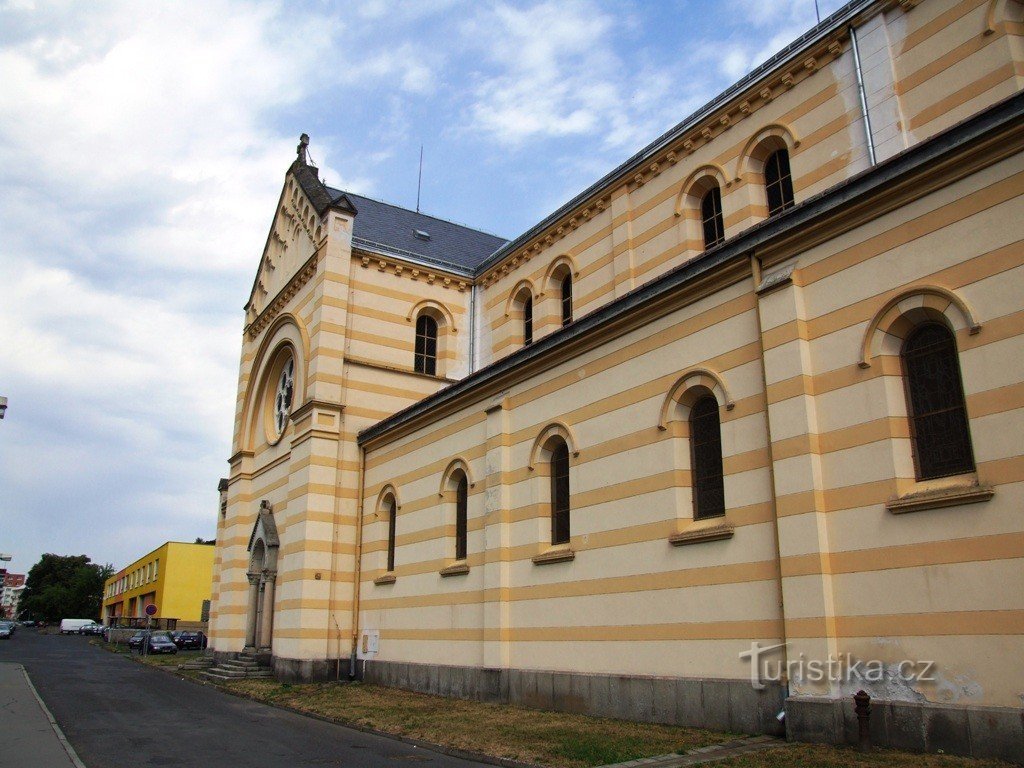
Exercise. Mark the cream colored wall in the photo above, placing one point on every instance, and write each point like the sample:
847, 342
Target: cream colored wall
941, 584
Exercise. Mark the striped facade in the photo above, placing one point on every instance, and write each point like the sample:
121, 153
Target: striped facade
829, 545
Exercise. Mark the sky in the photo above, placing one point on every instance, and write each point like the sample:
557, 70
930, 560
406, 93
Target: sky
142, 151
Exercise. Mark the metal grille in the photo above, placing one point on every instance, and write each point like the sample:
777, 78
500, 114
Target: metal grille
560, 494
528, 321
566, 299
706, 451
425, 356
938, 416
461, 517
778, 182
391, 511
711, 217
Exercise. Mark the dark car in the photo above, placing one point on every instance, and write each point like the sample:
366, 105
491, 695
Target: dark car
90, 629
159, 642
189, 640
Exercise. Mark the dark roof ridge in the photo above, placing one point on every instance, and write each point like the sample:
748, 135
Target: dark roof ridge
350, 194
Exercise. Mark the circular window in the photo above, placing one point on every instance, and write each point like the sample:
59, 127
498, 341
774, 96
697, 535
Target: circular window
283, 397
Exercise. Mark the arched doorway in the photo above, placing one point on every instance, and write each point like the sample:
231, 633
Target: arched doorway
262, 573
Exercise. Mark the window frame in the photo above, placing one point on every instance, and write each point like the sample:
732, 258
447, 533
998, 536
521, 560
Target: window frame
561, 505
783, 182
528, 321
391, 505
707, 473
714, 220
425, 361
924, 453
566, 298
462, 517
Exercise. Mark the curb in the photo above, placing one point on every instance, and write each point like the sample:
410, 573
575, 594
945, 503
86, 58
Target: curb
463, 754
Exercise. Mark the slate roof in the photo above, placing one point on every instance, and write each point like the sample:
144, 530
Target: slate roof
392, 228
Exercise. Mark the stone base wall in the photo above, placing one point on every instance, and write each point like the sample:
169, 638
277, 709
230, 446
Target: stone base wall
724, 705
992, 732
308, 670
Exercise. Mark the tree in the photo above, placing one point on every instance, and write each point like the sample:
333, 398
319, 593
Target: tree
64, 586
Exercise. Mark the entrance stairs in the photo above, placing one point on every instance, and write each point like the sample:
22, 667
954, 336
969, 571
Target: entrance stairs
242, 667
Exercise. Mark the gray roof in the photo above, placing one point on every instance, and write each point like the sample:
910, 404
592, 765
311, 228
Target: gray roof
382, 226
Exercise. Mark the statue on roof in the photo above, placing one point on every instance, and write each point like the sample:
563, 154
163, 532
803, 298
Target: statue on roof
303, 149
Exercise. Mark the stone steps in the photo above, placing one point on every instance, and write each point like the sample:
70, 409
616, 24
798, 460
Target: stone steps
243, 667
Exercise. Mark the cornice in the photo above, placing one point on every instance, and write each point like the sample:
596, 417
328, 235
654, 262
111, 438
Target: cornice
286, 294
413, 271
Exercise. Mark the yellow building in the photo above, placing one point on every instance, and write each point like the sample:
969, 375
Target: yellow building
749, 404
176, 577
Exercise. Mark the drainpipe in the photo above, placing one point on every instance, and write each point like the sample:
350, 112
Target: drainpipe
863, 95
472, 327
359, 564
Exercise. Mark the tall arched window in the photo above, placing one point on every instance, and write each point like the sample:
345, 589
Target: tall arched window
706, 458
392, 512
528, 321
567, 299
778, 182
560, 493
461, 517
711, 217
939, 429
425, 357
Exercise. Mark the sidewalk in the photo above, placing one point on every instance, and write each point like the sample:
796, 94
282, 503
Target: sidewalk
28, 736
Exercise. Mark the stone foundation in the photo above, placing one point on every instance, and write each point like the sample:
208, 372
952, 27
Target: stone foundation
993, 732
724, 705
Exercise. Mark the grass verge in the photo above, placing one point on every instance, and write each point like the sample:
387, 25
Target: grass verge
500, 730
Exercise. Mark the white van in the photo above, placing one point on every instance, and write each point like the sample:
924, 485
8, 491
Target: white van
70, 626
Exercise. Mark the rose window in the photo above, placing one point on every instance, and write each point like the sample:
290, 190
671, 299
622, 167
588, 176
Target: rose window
283, 398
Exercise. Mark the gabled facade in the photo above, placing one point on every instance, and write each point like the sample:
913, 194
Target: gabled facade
679, 422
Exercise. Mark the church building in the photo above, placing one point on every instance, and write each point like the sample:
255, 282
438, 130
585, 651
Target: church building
731, 435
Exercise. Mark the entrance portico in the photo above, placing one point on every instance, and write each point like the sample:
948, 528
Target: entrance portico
262, 574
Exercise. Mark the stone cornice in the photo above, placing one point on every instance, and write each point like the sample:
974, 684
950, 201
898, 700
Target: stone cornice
286, 294
413, 271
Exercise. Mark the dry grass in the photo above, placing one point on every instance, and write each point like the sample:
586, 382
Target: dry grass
527, 735
819, 756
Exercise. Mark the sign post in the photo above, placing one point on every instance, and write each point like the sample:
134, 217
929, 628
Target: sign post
150, 613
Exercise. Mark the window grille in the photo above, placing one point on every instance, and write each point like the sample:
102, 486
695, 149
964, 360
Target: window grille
425, 357
778, 182
711, 217
461, 517
567, 299
560, 494
706, 453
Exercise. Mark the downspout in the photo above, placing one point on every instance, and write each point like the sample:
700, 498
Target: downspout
863, 95
359, 564
472, 327
755, 273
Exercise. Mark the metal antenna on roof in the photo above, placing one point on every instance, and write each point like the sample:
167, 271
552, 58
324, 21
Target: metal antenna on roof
419, 181
816, 11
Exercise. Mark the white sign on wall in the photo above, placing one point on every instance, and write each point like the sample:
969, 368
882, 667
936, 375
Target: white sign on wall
369, 643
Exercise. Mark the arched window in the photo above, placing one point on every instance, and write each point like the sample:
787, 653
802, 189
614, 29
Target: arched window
778, 182
939, 429
706, 458
528, 321
425, 357
392, 511
711, 217
560, 493
461, 517
567, 299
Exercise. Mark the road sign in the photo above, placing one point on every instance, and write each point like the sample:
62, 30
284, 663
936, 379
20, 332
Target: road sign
151, 609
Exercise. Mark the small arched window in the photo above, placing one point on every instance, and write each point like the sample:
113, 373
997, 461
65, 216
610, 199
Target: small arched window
461, 517
528, 321
711, 217
425, 357
391, 509
706, 458
560, 493
939, 430
778, 182
567, 299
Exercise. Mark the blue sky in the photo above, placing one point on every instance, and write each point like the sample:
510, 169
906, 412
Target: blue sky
142, 150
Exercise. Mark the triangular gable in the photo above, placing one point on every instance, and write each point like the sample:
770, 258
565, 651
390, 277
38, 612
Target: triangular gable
265, 528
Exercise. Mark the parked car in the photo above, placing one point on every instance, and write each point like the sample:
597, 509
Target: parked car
9, 624
158, 642
28, 623
6, 630
189, 640
90, 629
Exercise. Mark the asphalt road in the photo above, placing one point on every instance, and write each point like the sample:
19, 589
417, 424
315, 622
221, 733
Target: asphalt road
120, 714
